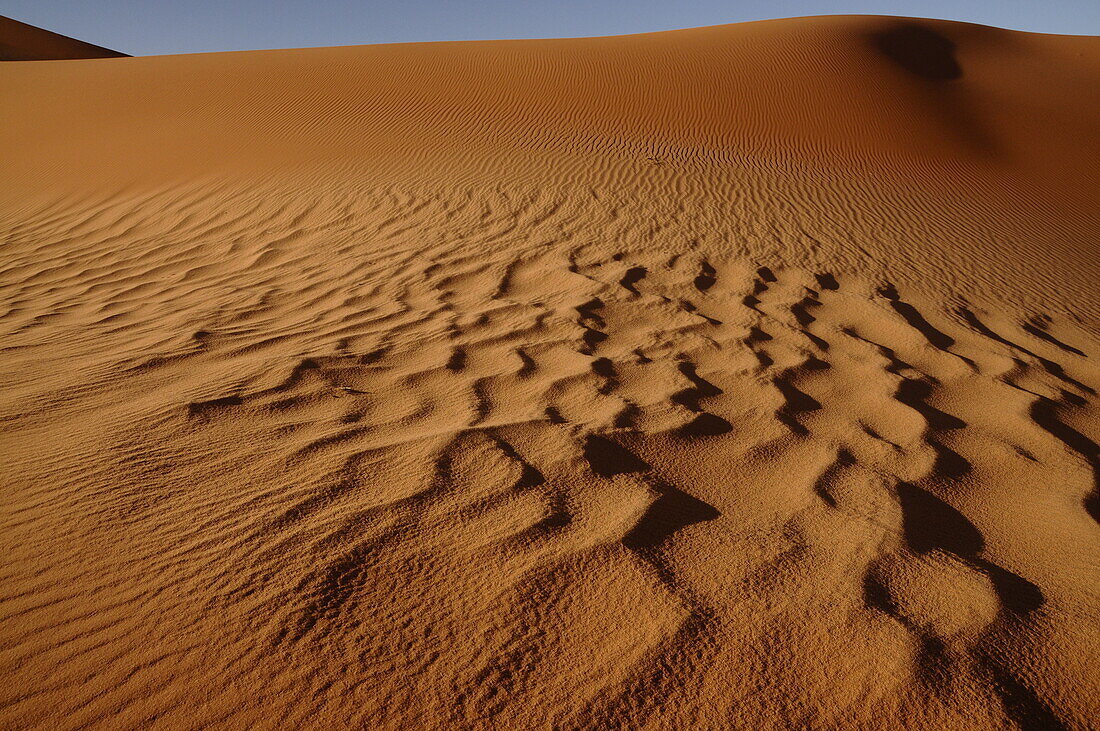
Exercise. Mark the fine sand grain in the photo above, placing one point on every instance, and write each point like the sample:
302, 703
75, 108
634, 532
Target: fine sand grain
736, 377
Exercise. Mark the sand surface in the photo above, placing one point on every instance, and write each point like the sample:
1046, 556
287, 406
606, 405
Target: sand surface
737, 377
22, 42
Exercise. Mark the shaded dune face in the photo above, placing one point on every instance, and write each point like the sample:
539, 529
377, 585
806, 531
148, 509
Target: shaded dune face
570, 431
920, 51
930, 58
22, 42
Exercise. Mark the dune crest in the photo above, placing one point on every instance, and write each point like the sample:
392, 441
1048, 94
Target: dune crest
741, 377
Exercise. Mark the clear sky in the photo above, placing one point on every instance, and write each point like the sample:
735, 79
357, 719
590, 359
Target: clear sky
142, 27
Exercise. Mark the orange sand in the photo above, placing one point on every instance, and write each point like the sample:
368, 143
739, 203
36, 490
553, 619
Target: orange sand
737, 377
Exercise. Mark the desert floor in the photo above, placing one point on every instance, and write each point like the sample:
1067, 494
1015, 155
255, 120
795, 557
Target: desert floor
738, 377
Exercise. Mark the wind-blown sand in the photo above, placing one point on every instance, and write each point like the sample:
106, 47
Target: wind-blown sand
737, 377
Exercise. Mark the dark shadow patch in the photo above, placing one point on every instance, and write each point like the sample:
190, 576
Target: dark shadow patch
603, 367
607, 459
949, 463
589, 311
701, 388
554, 416
457, 361
687, 306
1021, 704
1049, 366
930, 60
590, 320
673, 510
763, 358
876, 596
530, 476
813, 363
706, 425
1037, 327
633, 276
625, 419
527, 364
919, 50
791, 423
1016, 593
331, 588
827, 281
797, 401
866, 429
931, 524
801, 311
558, 518
916, 320
914, 394
201, 408
821, 343
591, 339
932, 660
844, 458
706, 278
1044, 412
1072, 399
932, 656
372, 357
756, 335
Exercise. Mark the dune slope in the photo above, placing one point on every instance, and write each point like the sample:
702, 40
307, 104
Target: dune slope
738, 377
22, 42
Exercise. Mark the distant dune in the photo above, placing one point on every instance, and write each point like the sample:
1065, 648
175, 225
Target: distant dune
734, 377
22, 42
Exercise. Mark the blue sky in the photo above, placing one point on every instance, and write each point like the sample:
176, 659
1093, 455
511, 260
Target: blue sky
143, 27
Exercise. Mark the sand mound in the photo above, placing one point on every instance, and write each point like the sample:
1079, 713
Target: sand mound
740, 377
22, 42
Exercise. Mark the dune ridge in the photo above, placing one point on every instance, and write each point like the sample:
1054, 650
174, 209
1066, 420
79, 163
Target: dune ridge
734, 377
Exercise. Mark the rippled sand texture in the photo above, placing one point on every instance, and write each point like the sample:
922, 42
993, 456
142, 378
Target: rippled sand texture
742, 377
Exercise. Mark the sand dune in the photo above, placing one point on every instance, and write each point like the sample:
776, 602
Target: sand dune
22, 42
739, 377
